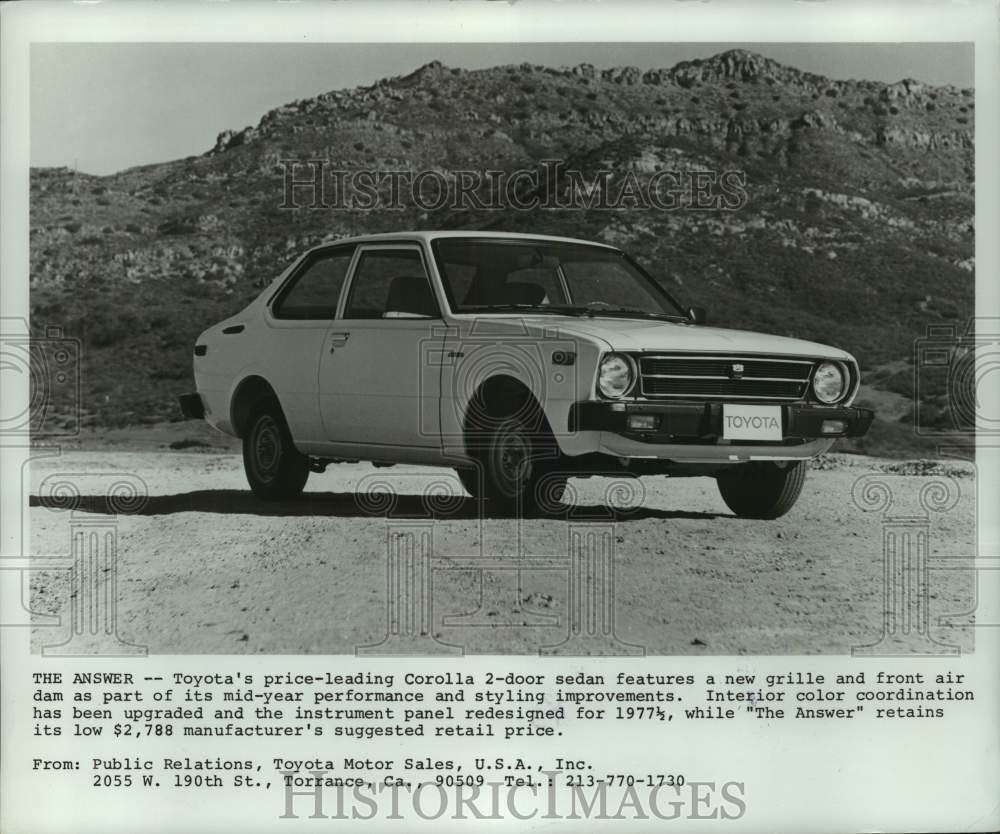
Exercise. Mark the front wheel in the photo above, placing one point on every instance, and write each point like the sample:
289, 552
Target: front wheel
517, 469
275, 469
762, 490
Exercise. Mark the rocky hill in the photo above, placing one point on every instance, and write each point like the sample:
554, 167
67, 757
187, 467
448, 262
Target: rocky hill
858, 226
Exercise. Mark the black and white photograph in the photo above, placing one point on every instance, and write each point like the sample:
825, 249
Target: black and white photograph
634, 333
556, 414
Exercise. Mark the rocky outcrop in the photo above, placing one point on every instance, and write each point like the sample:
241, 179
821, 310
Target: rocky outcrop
925, 140
229, 139
622, 75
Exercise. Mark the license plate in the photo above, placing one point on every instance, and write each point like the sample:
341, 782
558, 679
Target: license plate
751, 422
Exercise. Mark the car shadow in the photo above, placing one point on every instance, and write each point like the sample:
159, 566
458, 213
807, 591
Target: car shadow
342, 505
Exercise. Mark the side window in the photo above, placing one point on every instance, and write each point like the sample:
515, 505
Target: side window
390, 284
315, 292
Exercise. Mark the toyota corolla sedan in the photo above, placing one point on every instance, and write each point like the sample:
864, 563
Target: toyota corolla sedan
520, 361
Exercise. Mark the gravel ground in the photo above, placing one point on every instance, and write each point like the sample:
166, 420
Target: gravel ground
203, 567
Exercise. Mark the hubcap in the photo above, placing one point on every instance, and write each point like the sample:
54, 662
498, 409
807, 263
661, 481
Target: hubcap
513, 459
267, 448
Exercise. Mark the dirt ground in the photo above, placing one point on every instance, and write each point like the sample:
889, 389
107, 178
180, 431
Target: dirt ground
652, 565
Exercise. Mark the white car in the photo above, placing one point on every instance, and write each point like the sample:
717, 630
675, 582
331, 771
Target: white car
520, 361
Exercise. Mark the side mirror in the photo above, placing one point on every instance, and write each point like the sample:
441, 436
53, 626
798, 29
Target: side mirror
698, 315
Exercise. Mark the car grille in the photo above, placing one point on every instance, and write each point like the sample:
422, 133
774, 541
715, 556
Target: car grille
719, 377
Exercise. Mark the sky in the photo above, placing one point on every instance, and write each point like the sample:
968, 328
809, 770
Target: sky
104, 107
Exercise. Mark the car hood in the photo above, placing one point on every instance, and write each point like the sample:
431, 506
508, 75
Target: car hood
642, 335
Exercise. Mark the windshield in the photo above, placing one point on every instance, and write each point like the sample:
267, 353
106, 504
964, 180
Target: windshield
483, 275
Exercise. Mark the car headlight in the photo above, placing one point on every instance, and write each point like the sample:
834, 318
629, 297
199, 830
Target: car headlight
829, 382
615, 376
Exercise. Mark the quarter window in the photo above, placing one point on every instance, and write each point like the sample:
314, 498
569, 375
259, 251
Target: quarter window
314, 293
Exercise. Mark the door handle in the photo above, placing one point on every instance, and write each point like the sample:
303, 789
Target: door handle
338, 340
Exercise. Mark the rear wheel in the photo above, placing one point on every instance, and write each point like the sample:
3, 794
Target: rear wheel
275, 469
762, 490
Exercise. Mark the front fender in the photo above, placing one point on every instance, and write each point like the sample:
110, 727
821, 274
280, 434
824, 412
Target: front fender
557, 369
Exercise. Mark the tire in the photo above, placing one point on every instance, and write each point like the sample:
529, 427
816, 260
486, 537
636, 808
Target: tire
470, 481
275, 469
517, 461
762, 490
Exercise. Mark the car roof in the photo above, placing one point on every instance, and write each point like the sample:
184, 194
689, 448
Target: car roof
427, 236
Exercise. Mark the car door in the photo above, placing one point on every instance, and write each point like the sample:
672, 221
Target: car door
298, 319
379, 385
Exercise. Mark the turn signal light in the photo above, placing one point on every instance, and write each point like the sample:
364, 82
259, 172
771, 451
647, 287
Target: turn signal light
642, 422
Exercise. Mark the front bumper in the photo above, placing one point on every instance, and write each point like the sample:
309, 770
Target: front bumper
700, 423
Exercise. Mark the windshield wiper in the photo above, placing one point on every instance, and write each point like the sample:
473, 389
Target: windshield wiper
626, 312
570, 310
557, 309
